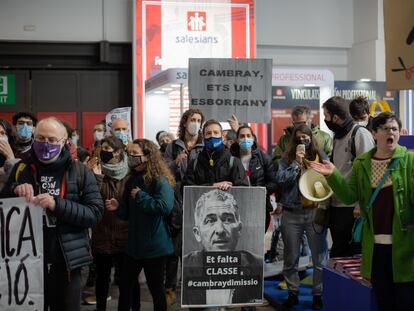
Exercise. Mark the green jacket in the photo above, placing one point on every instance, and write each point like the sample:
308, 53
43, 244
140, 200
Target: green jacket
324, 142
358, 188
148, 235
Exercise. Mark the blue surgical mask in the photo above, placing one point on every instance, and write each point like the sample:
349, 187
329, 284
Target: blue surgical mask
24, 131
121, 136
213, 143
246, 143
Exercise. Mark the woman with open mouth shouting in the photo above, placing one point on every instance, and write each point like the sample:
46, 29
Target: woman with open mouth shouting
382, 180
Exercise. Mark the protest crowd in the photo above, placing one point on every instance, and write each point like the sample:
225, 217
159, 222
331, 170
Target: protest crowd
115, 209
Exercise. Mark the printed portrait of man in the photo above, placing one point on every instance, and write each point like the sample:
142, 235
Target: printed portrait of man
219, 273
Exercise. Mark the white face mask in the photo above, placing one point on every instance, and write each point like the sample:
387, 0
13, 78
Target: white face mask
363, 123
98, 136
4, 138
193, 128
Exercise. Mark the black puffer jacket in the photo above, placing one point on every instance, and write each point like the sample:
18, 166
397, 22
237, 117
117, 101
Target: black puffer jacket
201, 173
79, 210
262, 173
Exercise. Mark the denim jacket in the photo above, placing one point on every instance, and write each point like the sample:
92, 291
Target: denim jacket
288, 176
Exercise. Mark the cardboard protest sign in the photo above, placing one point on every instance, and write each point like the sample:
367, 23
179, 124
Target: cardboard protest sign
223, 246
399, 44
119, 113
221, 87
21, 251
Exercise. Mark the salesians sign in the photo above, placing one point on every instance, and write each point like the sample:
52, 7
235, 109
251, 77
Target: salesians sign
223, 87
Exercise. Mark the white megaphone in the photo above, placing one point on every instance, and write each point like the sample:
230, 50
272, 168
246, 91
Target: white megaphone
314, 186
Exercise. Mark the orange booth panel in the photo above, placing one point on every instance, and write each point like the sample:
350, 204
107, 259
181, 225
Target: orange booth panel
69, 117
7, 116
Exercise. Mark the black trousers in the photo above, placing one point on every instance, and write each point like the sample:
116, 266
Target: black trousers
341, 221
104, 263
63, 289
390, 295
171, 269
154, 269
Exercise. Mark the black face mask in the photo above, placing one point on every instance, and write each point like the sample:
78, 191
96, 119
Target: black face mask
305, 142
163, 147
333, 126
106, 156
2, 159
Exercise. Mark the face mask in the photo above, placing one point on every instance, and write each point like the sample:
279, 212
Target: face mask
363, 123
193, 128
24, 131
98, 136
134, 161
305, 142
246, 143
163, 147
213, 143
74, 140
4, 138
121, 136
2, 159
45, 151
332, 126
106, 156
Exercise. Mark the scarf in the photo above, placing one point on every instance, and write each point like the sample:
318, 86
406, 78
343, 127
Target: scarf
116, 171
345, 128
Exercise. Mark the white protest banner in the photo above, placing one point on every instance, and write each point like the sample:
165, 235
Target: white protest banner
221, 87
21, 251
223, 241
119, 113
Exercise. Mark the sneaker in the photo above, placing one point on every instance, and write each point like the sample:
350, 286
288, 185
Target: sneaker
282, 285
317, 302
291, 301
91, 300
170, 296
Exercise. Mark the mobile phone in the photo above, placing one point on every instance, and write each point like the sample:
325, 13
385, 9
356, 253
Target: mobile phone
300, 147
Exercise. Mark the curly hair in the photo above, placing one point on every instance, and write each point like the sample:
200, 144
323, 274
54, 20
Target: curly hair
156, 166
186, 115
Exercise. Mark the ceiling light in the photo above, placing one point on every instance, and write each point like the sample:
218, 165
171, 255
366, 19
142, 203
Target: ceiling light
159, 92
175, 85
365, 79
309, 85
167, 89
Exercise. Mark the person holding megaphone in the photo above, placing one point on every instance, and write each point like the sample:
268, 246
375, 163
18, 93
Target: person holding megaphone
299, 214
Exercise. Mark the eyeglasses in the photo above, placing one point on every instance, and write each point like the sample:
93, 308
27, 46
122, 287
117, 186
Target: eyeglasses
50, 140
387, 128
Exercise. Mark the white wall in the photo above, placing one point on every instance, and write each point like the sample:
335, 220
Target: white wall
343, 36
306, 34
367, 56
66, 20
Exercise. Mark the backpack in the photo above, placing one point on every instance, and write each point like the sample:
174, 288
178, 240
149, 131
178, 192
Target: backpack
353, 148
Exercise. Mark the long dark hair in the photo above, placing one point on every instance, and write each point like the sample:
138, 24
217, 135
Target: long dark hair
311, 152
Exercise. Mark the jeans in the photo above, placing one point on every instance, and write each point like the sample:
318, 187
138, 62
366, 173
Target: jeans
294, 224
154, 269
